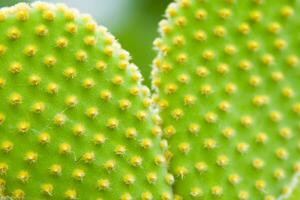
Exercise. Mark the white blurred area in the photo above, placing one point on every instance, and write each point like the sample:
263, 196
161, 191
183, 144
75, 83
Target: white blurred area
109, 13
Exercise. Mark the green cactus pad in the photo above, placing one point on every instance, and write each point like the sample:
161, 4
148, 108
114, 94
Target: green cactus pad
227, 83
75, 121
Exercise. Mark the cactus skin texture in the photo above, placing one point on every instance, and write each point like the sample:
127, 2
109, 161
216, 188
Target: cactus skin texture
226, 80
76, 123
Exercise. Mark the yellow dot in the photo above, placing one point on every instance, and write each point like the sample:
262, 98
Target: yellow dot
277, 76
3, 168
280, 44
117, 80
105, 95
230, 49
3, 15
30, 50
99, 139
62, 42
91, 26
41, 30
181, 171
7, 146
267, 59
189, 100
64, 148
101, 66
70, 194
224, 13
31, 157
88, 157
246, 121
243, 195
261, 138
260, 185
120, 150
151, 177
245, 65
44, 138
55, 170
200, 14
258, 163
169, 179
260, 100
219, 31
286, 11
23, 176
193, 128
59, 119
78, 130
209, 143
253, 45
23, 127
211, 117
81, 56
48, 15
202, 71
177, 113
18, 194
244, 28
200, 36
15, 68
52, 88
78, 174
47, 189
50, 61
242, 147
254, 81
274, 27
292, 60
146, 196
15, 99
255, 16
285, 133
279, 174
3, 49
13, 33
222, 69
184, 147
109, 165
208, 55
136, 161
222, 161
2, 118
126, 196
103, 184
196, 192
281, 153
206, 89
234, 179
34, 80
128, 179
217, 191
230, 88
92, 112
112, 123
90, 40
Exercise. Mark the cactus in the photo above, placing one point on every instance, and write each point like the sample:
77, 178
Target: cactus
226, 79
75, 120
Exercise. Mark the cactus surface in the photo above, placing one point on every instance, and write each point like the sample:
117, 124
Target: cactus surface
75, 120
227, 86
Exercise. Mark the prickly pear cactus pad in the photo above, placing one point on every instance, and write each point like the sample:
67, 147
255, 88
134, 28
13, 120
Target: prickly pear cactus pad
227, 84
75, 121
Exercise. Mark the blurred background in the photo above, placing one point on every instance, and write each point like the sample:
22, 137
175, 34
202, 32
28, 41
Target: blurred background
133, 22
